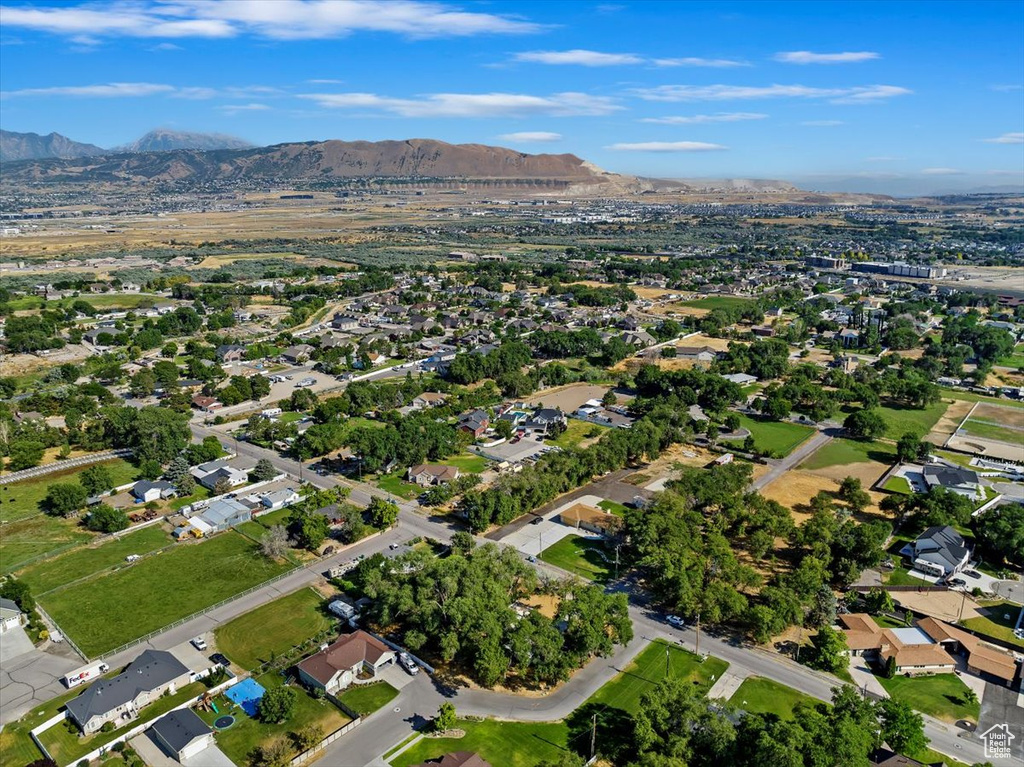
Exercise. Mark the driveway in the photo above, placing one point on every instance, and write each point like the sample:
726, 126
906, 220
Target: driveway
14, 642
30, 679
999, 706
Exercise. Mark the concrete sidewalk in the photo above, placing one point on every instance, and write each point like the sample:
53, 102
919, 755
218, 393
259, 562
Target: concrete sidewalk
727, 684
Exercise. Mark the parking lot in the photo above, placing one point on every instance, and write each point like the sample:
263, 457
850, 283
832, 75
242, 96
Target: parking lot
533, 538
516, 452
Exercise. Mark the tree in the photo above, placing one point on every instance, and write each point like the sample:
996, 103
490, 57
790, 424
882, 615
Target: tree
909, 448
446, 718
264, 470
186, 485
222, 486
309, 736
159, 434
865, 424
830, 649
96, 479
143, 383
854, 495
104, 519
313, 531
902, 727
503, 429
462, 542
609, 398
150, 468
25, 453
65, 498
177, 469
823, 611
383, 514
274, 542
1002, 531
277, 705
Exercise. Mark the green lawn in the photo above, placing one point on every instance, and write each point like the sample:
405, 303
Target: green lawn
764, 696
246, 733
940, 696
367, 698
508, 744
575, 432
778, 437
616, 508
898, 485
969, 396
273, 628
842, 452
467, 463
394, 484
901, 577
279, 517
290, 417
27, 539
66, 568
67, 747
1013, 360
995, 624
920, 421
24, 499
583, 556
717, 302
640, 676
989, 430
200, 493
160, 590
109, 301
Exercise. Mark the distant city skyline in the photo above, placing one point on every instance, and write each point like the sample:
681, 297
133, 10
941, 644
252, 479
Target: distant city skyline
897, 98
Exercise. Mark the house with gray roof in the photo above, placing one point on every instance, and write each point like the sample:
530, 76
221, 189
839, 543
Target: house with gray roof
954, 478
10, 615
940, 551
183, 734
120, 699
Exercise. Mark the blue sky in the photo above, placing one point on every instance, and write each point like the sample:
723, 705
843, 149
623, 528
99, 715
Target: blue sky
900, 97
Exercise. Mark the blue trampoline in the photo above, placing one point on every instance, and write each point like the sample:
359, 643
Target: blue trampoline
246, 694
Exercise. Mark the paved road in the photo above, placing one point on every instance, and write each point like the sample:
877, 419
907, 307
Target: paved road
781, 466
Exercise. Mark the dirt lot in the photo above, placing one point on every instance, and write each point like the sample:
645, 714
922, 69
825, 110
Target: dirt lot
1004, 416
948, 423
949, 606
868, 472
568, 398
794, 490
987, 447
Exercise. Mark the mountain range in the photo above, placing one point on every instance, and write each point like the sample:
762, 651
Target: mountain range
32, 146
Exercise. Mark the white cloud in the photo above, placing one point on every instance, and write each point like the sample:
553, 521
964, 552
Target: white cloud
883, 158
941, 172
233, 109
1005, 88
278, 19
579, 57
1006, 138
531, 137
696, 61
471, 104
667, 146
165, 47
108, 90
860, 94
808, 57
720, 117
822, 123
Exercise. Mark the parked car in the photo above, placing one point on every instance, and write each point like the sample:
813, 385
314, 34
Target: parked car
536, 520
405, 661
199, 643
221, 659
957, 582
972, 573
675, 620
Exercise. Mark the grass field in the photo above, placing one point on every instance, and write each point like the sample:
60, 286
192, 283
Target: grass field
24, 499
898, 485
27, 539
994, 623
575, 433
582, 556
66, 568
940, 696
616, 508
625, 690
842, 452
509, 744
988, 430
466, 463
67, 747
273, 628
246, 733
763, 696
778, 437
899, 421
367, 698
394, 484
1013, 360
717, 302
160, 590
969, 396
901, 577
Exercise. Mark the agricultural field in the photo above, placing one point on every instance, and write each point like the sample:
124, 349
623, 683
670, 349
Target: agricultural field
920, 421
187, 579
777, 437
67, 568
586, 557
274, 628
764, 696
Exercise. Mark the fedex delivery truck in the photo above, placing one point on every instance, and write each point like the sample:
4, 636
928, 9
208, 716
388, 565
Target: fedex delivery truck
86, 673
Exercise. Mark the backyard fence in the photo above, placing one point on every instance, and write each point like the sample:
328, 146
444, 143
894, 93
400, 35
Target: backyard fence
305, 756
56, 627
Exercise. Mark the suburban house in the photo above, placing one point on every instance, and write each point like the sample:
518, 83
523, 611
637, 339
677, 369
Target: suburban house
339, 665
209, 474
583, 517
296, 354
145, 491
230, 353
183, 734
206, 403
344, 322
428, 399
456, 759
994, 664
10, 615
223, 513
425, 475
278, 499
698, 353
912, 650
120, 699
938, 551
475, 422
959, 480
544, 418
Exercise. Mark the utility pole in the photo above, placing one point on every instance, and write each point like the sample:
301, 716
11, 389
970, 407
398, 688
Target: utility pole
698, 633
668, 660
593, 737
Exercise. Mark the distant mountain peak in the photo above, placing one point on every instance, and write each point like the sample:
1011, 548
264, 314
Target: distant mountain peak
31, 146
166, 140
